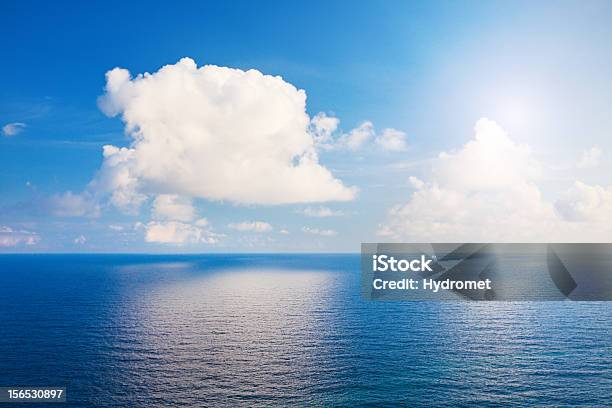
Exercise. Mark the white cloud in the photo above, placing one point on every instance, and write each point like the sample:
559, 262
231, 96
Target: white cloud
590, 158
586, 203
392, 140
357, 137
10, 237
71, 204
487, 192
320, 212
254, 226
445, 214
173, 207
117, 177
215, 133
116, 228
322, 128
178, 233
490, 161
284, 232
317, 231
416, 183
13, 129
80, 240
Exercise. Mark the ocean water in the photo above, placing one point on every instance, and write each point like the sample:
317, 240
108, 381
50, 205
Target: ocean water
283, 330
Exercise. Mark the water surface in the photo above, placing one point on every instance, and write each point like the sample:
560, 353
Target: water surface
278, 330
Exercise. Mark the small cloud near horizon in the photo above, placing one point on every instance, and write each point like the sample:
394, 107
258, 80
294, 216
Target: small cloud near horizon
252, 226
320, 212
321, 232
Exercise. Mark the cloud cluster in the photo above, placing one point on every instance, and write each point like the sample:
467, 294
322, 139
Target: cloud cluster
174, 222
179, 233
321, 232
357, 137
10, 237
320, 212
215, 133
13, 129
324, 129
251, 226
487, 191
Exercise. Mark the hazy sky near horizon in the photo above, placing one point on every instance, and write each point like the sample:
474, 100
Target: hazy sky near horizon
362, 122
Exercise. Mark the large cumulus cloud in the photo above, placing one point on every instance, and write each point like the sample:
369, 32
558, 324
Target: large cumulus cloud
215, 133
488, 191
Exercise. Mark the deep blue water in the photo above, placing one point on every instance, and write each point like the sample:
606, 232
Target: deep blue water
279, 330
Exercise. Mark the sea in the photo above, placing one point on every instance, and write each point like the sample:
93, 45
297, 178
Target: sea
279, 330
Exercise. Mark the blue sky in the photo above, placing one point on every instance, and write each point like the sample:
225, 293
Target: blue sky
428, 70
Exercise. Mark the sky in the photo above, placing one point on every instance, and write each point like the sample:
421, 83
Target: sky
302, 127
